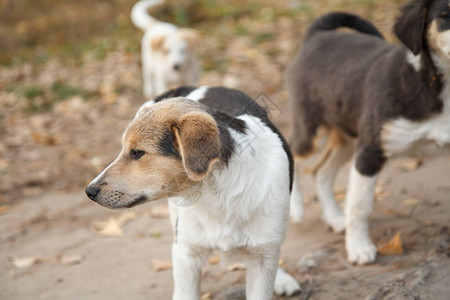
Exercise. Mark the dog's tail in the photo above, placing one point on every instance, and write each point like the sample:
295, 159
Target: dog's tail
335, 20
139, 16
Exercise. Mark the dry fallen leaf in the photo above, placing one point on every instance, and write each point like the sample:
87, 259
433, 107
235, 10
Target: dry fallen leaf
206, 296
111, 227
39, 138
410, 202
24, 262
394, 212
381, 193
214, 260
161, 265
160, 211
125, 217
4, 209
411, 164
393, 247
69, 260
235, 267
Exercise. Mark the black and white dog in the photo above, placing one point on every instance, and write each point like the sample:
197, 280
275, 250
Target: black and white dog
229, 173
389, 99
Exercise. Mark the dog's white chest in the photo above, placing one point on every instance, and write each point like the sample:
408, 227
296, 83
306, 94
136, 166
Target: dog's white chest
430, 137
246, 204
217, 231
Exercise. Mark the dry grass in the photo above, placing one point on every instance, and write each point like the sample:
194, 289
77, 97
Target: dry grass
37, 30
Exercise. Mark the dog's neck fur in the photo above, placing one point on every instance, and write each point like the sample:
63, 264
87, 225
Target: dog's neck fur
432, 72
443, 69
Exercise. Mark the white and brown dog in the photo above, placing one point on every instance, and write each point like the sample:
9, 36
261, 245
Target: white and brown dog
167, 53
213, 151
389, 99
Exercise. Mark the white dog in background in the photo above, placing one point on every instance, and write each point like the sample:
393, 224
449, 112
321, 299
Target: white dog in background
167, 56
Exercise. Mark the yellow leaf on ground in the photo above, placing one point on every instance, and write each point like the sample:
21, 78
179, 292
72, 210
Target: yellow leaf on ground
206, 296
410, 202
125, 217
394, 212
160, 211
161, 265
111, 227
411, 164
381, 193
69, 260
393, 247
24, 262
4, 209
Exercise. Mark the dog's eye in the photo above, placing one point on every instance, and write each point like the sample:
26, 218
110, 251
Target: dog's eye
446, 17
136, 154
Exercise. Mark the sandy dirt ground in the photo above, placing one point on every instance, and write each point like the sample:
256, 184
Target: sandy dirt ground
61, 123
73, 260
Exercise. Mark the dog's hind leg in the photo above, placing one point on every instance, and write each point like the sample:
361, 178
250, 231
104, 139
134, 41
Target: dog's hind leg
338, 151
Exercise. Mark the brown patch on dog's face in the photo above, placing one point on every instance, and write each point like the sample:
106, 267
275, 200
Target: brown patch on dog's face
158, 42
439, 41
166, 150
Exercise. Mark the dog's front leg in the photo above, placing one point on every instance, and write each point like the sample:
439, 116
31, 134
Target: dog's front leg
359, 202
261, 271
187, 265
149, 90
161, 85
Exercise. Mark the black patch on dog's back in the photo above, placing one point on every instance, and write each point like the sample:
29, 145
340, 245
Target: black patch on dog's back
225, 105
225, 121
181, 91
236, 103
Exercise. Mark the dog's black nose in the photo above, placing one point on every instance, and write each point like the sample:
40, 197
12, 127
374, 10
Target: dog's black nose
92, 192
176, 67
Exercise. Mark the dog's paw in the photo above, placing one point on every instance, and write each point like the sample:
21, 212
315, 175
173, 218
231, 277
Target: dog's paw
285, 284
361, 251
336, 222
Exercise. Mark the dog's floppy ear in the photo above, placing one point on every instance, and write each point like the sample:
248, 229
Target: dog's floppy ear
197, 139
189, 35
157, 42
410, 25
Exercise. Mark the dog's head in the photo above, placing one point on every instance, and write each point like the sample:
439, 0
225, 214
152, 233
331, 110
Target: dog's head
168, 148
177, 48
425, 25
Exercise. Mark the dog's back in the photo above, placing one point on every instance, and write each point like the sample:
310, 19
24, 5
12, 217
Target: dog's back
322, 78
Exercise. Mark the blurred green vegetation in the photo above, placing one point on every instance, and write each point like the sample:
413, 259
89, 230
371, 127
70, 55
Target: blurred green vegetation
35, 30
41, 98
